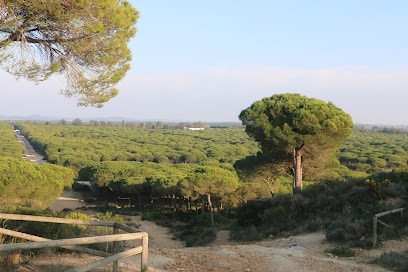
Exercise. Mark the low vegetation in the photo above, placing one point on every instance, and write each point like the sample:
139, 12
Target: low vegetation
343, 209
394, 261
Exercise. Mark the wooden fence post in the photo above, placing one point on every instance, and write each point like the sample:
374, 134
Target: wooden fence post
115, 249
145, 252
374, 230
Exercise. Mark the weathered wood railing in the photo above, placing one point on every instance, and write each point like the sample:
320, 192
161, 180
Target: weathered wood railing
73, 243
376, 220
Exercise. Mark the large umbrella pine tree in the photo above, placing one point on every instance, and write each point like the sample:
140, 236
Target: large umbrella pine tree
296, 131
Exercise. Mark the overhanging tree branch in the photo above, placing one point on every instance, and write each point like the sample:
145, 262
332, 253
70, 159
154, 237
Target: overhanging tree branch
84, 40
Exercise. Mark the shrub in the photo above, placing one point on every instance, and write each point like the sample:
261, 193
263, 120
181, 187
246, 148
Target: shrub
341, 252
393, 260
109, 217
274, 220
78, 215
252, 212
244, 233
198, 235
346, 229
90, 199
80, 187
197, 231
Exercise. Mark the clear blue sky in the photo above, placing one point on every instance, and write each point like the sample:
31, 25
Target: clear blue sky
208, 60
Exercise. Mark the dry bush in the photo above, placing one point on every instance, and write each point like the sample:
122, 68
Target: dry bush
11, 259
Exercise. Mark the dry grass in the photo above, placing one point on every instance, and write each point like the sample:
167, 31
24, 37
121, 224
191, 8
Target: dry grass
11, 259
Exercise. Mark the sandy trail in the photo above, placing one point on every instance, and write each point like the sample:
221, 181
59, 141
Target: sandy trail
68, 200
306, 253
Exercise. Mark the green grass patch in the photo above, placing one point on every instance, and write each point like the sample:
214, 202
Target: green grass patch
341, 252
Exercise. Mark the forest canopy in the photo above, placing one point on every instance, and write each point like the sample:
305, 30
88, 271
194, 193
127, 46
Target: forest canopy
129, 160
24, 185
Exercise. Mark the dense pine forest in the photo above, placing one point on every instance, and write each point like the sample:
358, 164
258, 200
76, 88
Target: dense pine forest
197, 181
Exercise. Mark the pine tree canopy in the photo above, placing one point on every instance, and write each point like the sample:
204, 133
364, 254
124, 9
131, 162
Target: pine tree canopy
84, 40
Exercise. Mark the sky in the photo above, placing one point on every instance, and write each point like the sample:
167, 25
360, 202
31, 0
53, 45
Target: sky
208, 60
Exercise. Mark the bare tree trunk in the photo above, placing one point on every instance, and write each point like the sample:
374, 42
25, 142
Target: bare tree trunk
270, 185
297, 169
210, 207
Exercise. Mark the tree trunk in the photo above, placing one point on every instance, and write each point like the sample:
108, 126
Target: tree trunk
297, 169
210, 208
268, 182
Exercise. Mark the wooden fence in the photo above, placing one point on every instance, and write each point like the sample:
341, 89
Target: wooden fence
74, 243
376, 220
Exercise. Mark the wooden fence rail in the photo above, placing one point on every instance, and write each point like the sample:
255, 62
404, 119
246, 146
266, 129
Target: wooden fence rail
376, 220
73, 243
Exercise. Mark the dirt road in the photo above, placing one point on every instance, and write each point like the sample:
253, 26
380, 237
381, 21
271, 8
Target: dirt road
29, 153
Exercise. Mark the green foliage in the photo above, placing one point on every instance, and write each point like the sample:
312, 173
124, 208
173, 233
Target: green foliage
191, 227
61, 174
252, 212
341, 252
256, 171
284, 122
51, 231
157, 215
9, 147
197, 231
84, 40
209, 180
90, 199
344, 209
374, 151
78, 215
392, 260
78, 146
136, 177
260, 219
25, 185
109, 217
244, 233
347, 229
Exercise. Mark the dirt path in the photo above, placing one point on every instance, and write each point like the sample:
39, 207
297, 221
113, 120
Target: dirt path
68, 200
29, 153
306, 253
159, 237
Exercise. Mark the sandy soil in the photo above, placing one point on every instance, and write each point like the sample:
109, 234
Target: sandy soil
68, 200
306, 253
298, 253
